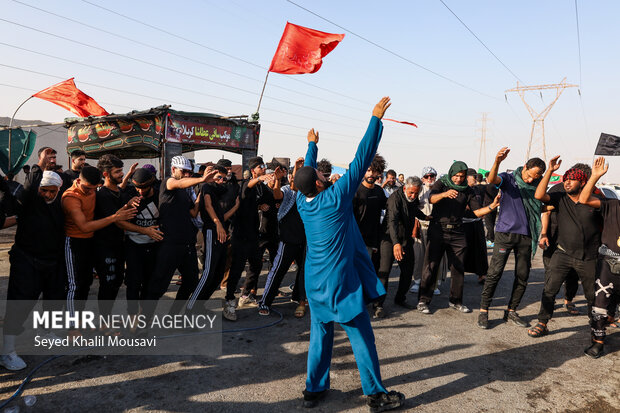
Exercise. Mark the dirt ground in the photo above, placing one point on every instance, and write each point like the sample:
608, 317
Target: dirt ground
441, 362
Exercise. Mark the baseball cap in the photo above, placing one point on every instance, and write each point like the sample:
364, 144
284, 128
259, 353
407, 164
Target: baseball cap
305, 180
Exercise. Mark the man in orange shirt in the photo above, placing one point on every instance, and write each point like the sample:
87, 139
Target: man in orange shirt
78, 204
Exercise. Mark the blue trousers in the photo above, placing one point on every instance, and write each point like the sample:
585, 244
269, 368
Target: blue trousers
362, 341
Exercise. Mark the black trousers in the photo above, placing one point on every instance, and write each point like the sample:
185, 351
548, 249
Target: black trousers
406, 266
243, 250
504, 244
560, 266
489, 223
571, 284
140, 260
110, 267
169, 258
80, 261
453, 243
251, 280
606, 289
29, 277
214, 265
287, 253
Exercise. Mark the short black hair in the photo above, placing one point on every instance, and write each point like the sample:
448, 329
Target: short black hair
220, 169
109, 161
536, 163
202, 168
324, 166
584, 167
391, 172
378, 164
44, 148
91, 175
77, 153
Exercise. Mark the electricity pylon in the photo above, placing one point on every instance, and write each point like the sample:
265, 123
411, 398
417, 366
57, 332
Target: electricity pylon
537, 135
482, 155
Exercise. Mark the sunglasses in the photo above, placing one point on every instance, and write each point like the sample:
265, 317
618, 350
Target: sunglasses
220, 178
429, 176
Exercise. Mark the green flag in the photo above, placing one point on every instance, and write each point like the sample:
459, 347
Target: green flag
22, 146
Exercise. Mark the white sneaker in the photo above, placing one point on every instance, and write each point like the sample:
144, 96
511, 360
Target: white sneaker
436, 292
415, 288
12, 361
247, 301
229, 310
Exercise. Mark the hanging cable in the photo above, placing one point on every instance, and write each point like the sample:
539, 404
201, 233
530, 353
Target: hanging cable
392, 52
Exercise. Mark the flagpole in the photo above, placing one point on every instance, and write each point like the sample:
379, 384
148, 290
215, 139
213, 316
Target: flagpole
262, 92
11, 130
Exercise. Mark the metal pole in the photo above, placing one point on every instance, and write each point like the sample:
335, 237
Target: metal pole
11, 131
261, 93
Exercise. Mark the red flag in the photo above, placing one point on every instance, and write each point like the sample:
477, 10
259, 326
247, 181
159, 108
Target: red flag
301, 50
67, 95
401, 121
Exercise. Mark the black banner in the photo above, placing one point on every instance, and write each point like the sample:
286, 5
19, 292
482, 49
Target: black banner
608, 145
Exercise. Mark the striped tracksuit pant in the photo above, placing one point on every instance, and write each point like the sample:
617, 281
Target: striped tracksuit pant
287, 253
214, 266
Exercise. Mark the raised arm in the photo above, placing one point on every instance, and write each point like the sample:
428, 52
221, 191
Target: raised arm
598, 169
501, 155
541, 189
183, 183
366, 151
313, 149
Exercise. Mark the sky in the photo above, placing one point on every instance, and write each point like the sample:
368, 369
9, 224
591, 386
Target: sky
212, 56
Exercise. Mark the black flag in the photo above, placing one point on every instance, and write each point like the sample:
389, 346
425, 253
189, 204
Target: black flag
608, 145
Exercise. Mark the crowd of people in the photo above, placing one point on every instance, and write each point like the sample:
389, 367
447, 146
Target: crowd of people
340, 234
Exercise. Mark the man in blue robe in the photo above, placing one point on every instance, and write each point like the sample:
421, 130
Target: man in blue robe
340, 278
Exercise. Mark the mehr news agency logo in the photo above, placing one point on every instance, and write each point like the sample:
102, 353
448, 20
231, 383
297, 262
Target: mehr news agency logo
85, 320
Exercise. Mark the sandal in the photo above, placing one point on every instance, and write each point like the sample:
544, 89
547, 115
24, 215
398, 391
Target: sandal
300, 311
571, 309
263, 310
538, 330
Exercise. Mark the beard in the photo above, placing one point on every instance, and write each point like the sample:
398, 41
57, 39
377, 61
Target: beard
327, 184
370, 180
574, 191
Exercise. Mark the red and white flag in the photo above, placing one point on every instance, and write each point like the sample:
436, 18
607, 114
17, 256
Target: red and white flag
301, 50
67, 95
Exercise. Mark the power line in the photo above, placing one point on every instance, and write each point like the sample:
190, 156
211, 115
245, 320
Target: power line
481, 42
174, 70
392, 52
578, 42
159, 49
159, 29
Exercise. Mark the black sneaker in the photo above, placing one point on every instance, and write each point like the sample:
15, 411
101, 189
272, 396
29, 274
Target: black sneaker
312, 398
405, 304
514, 317
483, 320
381, 402
595, 350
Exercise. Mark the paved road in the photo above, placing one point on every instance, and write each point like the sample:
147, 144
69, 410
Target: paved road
442, 362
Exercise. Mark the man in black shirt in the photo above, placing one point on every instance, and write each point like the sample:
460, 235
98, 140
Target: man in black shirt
215, 220
607, 284
142, 236
292, 247
78, 159
578, 240
245, 236
397, 242
178, 248
368, 203
450, 197
227, 201
108, 241
35, 258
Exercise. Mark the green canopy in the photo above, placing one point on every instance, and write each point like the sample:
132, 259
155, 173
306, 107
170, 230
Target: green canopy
22, 146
